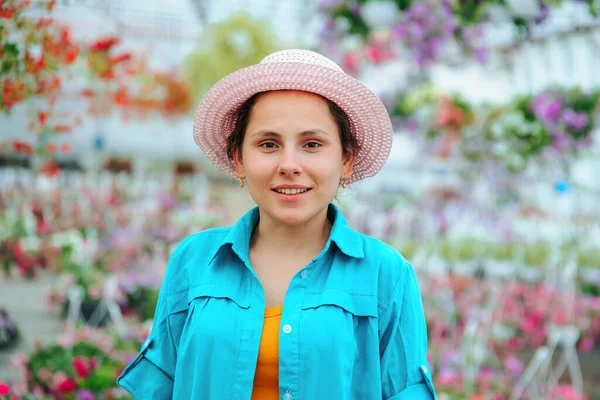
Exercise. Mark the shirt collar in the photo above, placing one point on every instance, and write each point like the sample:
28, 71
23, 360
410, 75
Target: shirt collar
345, 238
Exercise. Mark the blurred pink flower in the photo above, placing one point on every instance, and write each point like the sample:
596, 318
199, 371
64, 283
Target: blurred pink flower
513, 366
18, 360
567, 392
20, 388
106, 344
85, 333
67, 339
58, 378
45, 375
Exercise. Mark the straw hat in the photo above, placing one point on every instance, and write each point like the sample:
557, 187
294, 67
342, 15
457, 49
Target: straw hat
295, 70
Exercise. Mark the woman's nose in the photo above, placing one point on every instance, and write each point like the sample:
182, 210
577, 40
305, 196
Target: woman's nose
288, 163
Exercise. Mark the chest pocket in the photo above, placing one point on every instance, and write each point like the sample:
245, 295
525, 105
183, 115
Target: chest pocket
215, 314
338, 323
207, 302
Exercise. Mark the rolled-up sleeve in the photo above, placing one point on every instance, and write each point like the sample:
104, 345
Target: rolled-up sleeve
150, 375
403, 343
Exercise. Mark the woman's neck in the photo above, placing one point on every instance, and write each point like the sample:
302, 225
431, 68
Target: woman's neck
309, 237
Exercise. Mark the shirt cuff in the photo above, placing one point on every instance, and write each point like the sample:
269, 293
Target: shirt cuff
145, 381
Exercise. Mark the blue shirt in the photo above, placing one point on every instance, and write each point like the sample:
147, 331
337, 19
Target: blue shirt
352, 325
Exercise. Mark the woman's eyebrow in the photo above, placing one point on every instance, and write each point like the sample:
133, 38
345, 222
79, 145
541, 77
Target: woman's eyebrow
317, 131
308, 132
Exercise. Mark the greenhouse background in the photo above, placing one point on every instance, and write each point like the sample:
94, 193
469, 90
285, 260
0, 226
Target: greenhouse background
491, 190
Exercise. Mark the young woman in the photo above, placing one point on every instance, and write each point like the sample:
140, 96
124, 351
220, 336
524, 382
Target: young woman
290, 302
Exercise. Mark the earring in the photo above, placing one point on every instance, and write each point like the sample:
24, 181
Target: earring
241, 182
343, 183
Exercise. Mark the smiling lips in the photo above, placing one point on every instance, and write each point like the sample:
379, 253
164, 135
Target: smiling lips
291, 191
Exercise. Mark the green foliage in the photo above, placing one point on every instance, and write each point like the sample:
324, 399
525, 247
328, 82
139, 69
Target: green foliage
223, 48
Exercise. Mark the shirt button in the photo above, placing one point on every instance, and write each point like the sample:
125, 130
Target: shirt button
287, 396
287, 328
304, 274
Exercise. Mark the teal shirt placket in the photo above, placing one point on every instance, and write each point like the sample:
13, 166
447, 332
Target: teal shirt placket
289, 343
289, 351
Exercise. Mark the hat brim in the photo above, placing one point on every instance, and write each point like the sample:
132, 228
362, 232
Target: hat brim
369, 120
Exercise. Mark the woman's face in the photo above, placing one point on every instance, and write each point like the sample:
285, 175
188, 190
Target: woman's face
292, 156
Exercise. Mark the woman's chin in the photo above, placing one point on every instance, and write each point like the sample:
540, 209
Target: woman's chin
291, 217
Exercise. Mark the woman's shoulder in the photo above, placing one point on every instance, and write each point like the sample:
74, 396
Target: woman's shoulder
392, 267
383, 254
201, 242
190, 255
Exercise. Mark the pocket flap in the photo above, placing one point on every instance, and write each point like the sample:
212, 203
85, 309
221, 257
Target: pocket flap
235, 294
359, 305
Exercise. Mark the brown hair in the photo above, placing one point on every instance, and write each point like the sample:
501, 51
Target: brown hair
236, 138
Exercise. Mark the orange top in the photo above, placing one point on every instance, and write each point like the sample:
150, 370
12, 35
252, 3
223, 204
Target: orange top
266, 378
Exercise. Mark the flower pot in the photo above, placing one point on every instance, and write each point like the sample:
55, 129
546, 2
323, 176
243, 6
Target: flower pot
9, 334
86, 312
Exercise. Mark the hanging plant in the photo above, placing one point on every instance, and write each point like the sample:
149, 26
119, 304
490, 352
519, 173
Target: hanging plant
37, 54
427, 30
102, 61
32, 53
556, 123
238, 42
125, 81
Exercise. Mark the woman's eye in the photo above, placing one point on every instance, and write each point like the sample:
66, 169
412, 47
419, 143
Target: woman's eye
313, 145
268, 145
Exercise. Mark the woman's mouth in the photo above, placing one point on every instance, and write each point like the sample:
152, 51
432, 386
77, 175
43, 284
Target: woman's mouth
291, 192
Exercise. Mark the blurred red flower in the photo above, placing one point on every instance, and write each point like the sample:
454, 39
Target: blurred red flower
67, 386
80, 367
104, 44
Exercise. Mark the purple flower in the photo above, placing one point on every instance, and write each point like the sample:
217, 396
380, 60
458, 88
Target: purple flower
584, 143
399, 31
561, 142
481, 55
85, 395
513, 366
419, 10
544, 13
329, 23
575, 120
548, 108
435, 45
553, 111
416, 31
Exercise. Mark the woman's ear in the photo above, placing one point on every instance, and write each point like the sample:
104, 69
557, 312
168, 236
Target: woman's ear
348, 164
239, 166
